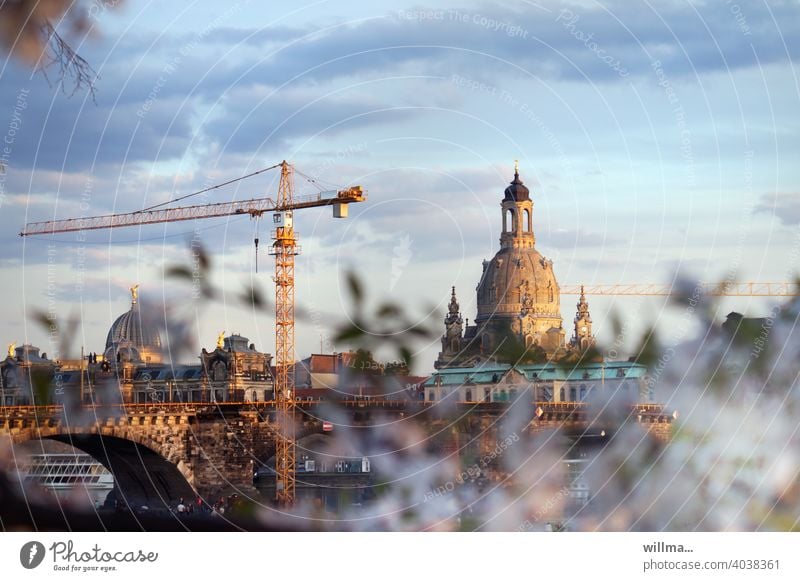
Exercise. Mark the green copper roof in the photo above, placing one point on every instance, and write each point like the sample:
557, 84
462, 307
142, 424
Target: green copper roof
491, 373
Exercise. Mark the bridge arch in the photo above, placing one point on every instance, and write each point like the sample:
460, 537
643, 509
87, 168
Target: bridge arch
142, 476
145, 472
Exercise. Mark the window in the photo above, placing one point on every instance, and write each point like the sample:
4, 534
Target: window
526, 220
431, 395
468, 394
573, 394
562, 395
486, 394
512, 394
583, 393
509, 221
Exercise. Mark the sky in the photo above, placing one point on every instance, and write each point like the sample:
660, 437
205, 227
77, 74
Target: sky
659, 140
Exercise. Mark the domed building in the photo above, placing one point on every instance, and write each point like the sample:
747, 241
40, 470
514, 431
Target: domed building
133, 337
519, 302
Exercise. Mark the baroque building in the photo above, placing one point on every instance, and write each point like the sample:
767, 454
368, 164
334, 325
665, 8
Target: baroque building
519, 301
132, 369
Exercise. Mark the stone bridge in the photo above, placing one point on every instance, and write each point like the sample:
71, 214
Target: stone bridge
158, 454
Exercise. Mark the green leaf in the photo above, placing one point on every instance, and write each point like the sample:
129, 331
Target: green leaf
178, 272
354, 286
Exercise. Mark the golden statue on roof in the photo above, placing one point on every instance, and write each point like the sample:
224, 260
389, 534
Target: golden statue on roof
221, 340
11, 348
134, 294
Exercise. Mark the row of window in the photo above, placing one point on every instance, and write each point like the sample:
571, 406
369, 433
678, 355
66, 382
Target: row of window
575, 394
72, 469
65, 479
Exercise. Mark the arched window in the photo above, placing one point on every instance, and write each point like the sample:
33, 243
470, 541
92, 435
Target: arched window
528, 341
583, 393
526, 220
220, 371
469, 394
509, 221
562, 395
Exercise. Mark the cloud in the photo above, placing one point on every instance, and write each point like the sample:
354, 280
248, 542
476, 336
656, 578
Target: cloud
59, 132
784, 206
260, 118
561, 41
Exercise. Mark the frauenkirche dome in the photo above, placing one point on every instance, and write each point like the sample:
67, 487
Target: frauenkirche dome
518, 296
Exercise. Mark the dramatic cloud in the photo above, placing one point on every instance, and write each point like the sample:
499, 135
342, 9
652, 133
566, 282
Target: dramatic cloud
784, 206
426, 108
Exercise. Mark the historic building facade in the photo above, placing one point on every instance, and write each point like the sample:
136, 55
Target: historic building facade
544, 382
517, 346
519, 301
23, 372
132, 369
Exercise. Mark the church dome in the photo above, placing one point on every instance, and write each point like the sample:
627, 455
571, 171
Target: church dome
134, 329
518, 280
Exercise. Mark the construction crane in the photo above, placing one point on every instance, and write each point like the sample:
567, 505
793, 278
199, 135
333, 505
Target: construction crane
718, 289
284, 248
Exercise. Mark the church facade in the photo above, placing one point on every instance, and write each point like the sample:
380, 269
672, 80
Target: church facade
519, 301
518, 347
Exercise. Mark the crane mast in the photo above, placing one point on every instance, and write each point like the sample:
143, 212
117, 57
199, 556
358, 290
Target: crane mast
284, 248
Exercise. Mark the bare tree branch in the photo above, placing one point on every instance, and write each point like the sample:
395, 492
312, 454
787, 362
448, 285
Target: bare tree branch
28, 33
72, 71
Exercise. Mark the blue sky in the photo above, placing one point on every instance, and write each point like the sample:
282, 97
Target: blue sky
656, 137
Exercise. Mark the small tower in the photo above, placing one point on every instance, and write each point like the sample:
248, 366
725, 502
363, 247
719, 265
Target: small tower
517, 215
453, 323
453, 330
583, 338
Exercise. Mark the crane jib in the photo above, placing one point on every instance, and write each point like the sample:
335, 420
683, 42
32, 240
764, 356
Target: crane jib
254, 207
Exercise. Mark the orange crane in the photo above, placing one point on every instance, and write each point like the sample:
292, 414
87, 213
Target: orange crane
284, 248
733, 289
